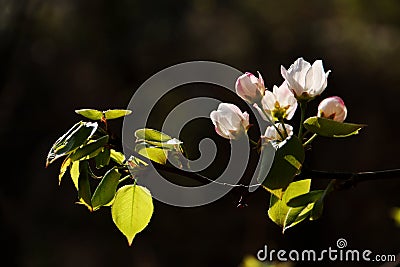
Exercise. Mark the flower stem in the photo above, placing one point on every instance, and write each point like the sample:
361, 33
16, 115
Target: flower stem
284, 128
253, 142
310, 140
303, 106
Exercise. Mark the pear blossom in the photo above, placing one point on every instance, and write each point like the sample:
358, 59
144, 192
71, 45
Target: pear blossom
271, 133
305, 80
250, 88
332, 108
229, 121
278, 105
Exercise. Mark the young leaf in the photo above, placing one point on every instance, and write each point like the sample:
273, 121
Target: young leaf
151, 135
297, 215
278, 209
106, 189
156, 154
71, 140
89, 148
116, 113
286, 164
330, 128
84, 194
103, 158
305, 199
74, 172
131, 210
92, 114
117, 157
63, 169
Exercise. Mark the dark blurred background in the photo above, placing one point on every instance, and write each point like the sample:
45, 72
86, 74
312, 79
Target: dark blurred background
57, 56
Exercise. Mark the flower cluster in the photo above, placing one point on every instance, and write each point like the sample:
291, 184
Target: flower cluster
302, 83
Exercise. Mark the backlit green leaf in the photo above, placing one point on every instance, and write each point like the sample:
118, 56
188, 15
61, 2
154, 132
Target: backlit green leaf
116, 113
103, 158
92, 114
286, 163
278, 209
156, 154
330, 128
71, 140
74, 172
89, 148
117, 157
106, 189
63, 169
131, 210
151, 135
305, 199
84, 194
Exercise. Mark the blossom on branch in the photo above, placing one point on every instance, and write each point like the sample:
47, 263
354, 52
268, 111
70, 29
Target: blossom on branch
305, 80
278, 105
229, 121
272, 134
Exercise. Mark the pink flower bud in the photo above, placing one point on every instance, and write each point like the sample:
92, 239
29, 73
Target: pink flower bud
229, 121
332, 108
250, 88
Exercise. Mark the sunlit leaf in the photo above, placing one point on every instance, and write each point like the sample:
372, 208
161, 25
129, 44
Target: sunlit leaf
71, 140
92, 114
84, 194
151, 135
74, 172
153, 153
131, 210
317, 209
63, 169
330, 128
278, 209
286, 163
117, 157
116, 113
106, 189
103, 158
89, 148
305, 199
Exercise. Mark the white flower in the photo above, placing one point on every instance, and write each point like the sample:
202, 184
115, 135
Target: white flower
271, 133
250, 88
229, 121
306, 81
279, 104
332, 108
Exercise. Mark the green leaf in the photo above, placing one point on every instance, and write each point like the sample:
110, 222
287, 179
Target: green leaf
74, 172
286, 164
89, 148
117, 157
305, 199
156, 154
151, 135
330, 128
92, 114
71, 140
106, 189
116, 113
84, 194
297, 215
278, 209
316, 211
64, 166
103, 158
132, 210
